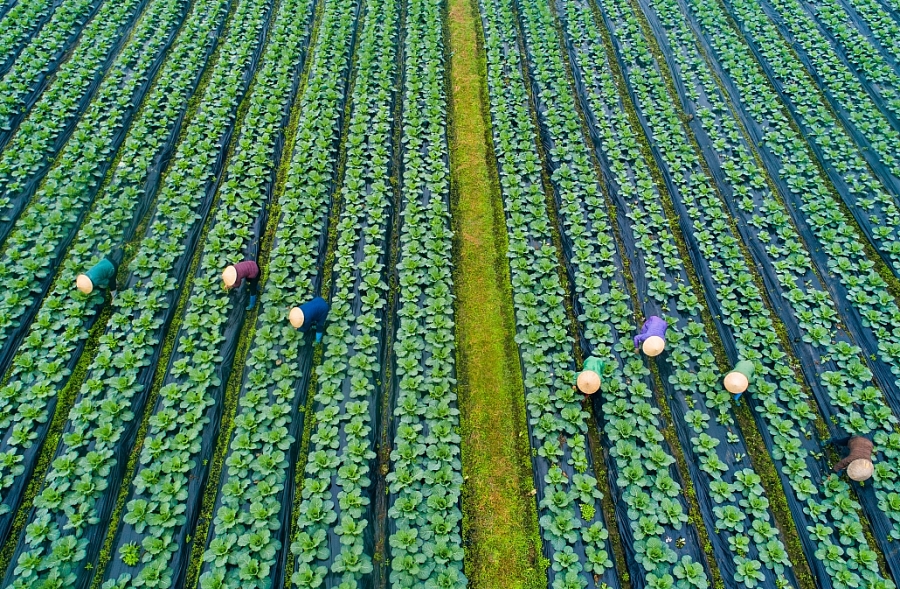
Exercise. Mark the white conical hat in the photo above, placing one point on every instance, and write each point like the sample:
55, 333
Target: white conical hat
84, 284
860, 469
653, 345
229, 276
588, 382
296, 317
736, 382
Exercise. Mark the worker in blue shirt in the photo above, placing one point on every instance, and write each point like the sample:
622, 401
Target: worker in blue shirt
310, 315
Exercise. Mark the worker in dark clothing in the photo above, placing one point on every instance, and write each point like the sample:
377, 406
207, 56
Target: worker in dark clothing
737, 381
652, 338
310, 315
588, 380
858, 461
101, 275
247, 270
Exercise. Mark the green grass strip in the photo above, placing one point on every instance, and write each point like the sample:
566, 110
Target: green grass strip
500, 528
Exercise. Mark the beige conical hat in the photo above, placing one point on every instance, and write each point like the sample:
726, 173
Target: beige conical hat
653, 345
296, 317
736, 382
229, 276
84, 284
860, 469
588, 382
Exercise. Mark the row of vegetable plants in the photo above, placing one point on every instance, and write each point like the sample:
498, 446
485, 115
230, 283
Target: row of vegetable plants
838, 37
41, 234
847, 392
868, 101
875, 21
334, 545
53, 342
165, 492
81, 63
872, 203
576, 540
858, 405
40, 57
737, 506
425, 536
19, 22
66, 526
247, 541
782, 405
631, 421
26, 157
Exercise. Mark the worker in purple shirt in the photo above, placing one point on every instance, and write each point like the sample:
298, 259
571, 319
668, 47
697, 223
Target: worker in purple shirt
310, 315
236, 274
652, 338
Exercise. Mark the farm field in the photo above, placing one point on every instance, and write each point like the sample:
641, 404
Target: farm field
491, 195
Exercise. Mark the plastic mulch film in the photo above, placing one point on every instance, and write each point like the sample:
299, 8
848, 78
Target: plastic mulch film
51, 349
19, 21
572, 527
780, 404
826, 352
45, 237
850, 72
191, 400
700, 409
101, 428
423, 539
334, 542
877, 23
270, 422
33, 65
53, 114
854, 405
868, 186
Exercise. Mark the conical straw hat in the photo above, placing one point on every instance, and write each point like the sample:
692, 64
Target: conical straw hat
296, 317
736, 382
84, 284
860, 469
653, 345
229, 276
588, 382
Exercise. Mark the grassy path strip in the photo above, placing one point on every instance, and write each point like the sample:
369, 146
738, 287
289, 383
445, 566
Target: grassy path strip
499, 518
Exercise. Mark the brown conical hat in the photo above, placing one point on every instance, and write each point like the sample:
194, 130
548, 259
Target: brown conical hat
229, 276
736, 382
84, 284
296, 317
653, 345
860, 469
588, 382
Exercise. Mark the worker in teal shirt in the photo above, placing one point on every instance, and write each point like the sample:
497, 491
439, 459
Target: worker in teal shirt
102, 275
588, 380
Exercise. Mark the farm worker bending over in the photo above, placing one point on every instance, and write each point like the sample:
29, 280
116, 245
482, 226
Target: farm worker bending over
102, 275
858, 461
236, 274
588, 381
652, 338
738, 379
309, 315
